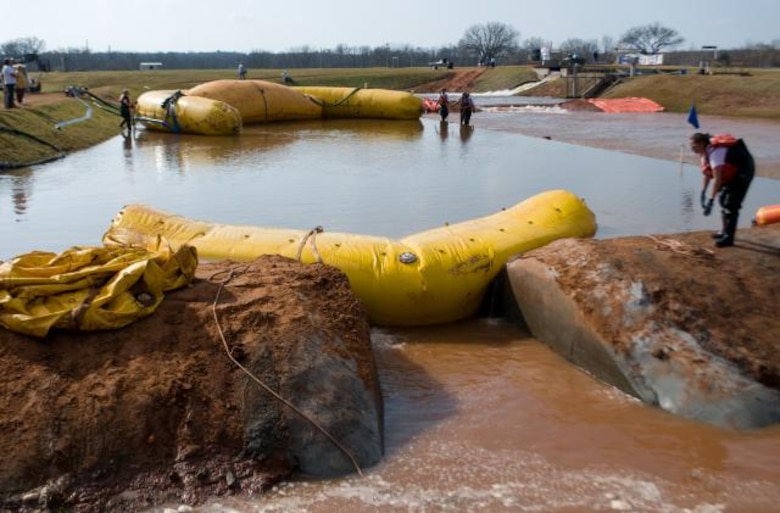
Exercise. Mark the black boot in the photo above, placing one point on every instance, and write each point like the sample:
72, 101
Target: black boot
722, 232
729, 230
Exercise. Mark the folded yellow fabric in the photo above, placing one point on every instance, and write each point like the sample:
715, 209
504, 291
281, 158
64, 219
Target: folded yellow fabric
87, 289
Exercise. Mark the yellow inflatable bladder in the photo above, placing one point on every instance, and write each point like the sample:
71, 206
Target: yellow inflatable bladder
351, 102
260, 101
86, 289
174, 111
432, 277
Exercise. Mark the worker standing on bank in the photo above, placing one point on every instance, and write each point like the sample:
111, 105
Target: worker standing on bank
9, 83
22, 82
728, 164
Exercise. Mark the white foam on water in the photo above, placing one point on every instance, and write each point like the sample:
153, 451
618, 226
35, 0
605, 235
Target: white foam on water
543, 109
493, 481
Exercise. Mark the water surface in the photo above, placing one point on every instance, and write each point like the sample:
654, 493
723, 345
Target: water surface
479, 415
371, 177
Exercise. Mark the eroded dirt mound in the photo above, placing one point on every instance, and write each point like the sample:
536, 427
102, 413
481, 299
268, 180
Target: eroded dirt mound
154, 412
727, 298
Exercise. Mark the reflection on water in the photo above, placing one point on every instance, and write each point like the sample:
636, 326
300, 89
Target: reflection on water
478, 415
382, 178
20, 185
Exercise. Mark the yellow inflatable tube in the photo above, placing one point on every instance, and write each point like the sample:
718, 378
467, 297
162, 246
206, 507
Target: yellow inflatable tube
260, 101
432, 277
173, 111
351, 102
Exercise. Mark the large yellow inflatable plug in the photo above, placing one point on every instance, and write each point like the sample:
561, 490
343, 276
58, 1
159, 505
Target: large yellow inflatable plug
87, 289
431, 277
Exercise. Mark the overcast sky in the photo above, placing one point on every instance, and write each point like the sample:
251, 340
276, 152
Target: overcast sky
276, 26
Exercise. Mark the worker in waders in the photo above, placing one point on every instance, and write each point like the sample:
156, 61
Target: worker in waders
126, 108
727, 163
444, 105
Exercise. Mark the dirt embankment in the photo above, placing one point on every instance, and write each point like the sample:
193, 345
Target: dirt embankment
121, 420
458, 80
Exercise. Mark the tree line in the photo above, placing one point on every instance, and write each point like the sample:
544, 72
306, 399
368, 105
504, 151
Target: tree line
489, 42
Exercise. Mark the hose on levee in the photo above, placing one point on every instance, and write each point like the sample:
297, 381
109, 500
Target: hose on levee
75, 92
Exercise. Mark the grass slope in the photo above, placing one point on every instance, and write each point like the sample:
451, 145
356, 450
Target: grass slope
755, 94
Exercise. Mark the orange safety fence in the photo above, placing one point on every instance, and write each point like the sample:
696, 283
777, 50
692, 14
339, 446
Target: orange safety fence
430, 105
623, 105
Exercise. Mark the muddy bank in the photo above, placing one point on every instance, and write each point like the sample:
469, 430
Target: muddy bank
669, 319
158, 411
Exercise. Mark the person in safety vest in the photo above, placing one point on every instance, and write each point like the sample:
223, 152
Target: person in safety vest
727, 163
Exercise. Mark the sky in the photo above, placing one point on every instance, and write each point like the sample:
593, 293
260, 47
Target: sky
277, 26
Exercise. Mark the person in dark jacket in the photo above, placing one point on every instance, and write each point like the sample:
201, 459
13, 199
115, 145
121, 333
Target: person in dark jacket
444, 105
466, 108
126, 108
727, 163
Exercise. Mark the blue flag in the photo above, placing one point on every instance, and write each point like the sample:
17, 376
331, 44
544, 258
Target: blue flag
693, 119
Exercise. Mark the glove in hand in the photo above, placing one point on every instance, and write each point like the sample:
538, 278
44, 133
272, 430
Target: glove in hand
708, 207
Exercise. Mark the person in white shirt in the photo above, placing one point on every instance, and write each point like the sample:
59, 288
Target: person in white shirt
9, 81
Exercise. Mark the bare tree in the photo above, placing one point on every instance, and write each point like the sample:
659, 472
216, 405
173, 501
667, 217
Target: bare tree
580, 47
650, 39
490, 40
532, 48
22, 46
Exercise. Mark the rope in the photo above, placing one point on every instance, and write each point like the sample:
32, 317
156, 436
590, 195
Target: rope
679, 247
101, 102
322, 103
313, 234
169, 105
265, 101
266, 387
265, 104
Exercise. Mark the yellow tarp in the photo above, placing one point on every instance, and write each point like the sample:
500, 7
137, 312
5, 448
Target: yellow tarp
97, 288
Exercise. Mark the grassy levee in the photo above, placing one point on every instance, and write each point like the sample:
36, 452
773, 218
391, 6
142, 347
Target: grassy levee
28, 135
751, 93
756, 95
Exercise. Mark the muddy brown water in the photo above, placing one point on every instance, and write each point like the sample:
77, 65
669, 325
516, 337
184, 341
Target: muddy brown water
479, 415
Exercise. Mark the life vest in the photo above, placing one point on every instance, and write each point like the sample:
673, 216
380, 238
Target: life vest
735, 151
